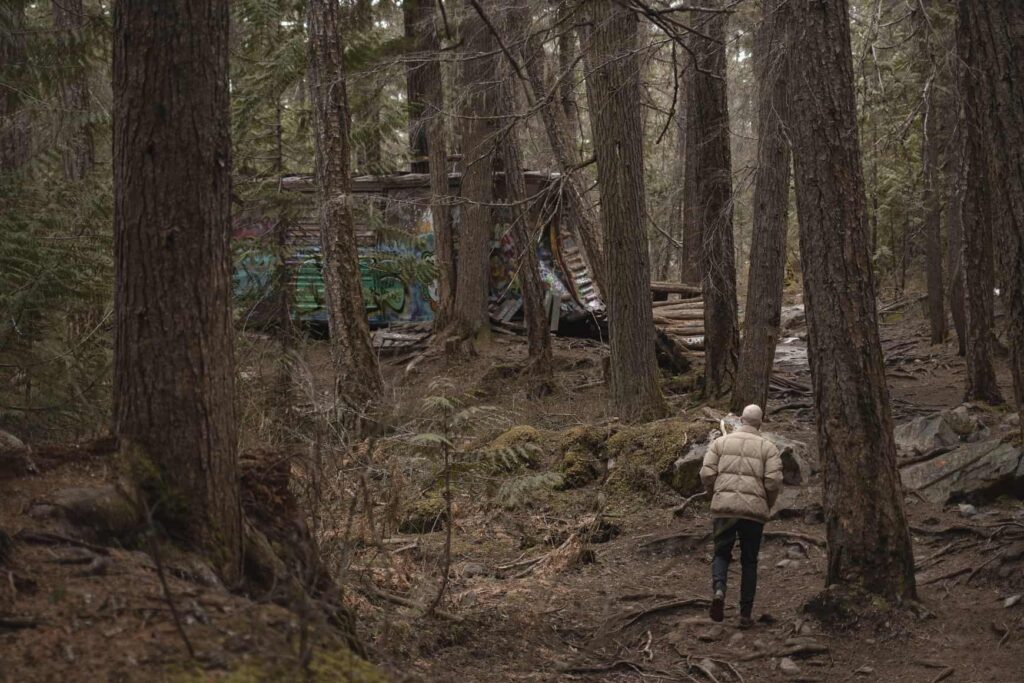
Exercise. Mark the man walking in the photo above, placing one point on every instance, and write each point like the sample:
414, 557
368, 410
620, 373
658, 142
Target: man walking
743, 473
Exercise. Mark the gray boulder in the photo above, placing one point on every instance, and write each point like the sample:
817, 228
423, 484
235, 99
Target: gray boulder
974, 471
684, 477
795, 467
944, 429
792, 317
924, 434
9, 442
787, 505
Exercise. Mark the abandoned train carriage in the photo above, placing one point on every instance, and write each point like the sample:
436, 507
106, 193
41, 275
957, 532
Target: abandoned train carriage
396, 241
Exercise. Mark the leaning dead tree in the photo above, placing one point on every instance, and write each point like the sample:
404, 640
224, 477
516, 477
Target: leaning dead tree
579, 215
357, 377
174, 362
868, 541
762, 320
613, 89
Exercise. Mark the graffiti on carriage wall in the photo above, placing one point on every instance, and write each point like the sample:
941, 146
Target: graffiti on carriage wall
396, 275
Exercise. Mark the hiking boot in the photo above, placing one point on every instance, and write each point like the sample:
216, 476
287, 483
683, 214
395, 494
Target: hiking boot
718, 606
746, 622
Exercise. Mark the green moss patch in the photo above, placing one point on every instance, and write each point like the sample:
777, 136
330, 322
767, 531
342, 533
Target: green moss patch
516, 449
424, 515
582, 451
645, 455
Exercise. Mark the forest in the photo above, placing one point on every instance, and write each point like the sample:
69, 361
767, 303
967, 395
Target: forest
460, 340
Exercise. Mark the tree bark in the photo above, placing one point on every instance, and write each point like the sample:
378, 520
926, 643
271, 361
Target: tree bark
614, 90
174, 371
868, 542
428, 138
579, 216
996, 30
524, 238
689, 258
708, 109
762, 320
955, 237
357, 377
79, 155
480, 55
675, 221
14, 123
368, 94
931, 147
567, 69
418, 20
978, 257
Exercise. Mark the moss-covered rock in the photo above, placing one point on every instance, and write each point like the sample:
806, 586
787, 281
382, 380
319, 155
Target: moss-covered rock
642, 455
582, 453
424, 515
517, 448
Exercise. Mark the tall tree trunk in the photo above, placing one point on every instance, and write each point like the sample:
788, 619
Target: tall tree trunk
524, 237
174, 367
614, 91
283, 281
954, 263
428, 138
566, 75
689, 261
418, 19
931, 147
978, 257
996, 30
762, 321
708, 108
580, 217
357, 377
479, 126
868, 542
676, 228
14, 123
955, 234
79, 155
360, 21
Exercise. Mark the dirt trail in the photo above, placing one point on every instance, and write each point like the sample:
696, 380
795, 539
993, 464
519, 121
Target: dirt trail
528, 600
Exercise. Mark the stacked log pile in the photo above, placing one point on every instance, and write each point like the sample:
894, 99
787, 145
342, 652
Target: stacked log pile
682, 320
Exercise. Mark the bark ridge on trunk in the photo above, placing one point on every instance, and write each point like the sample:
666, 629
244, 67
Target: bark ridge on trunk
868, 540
763, 316
614, 90
174, 370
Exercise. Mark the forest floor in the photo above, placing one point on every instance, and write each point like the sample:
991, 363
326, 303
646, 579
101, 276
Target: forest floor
562, 568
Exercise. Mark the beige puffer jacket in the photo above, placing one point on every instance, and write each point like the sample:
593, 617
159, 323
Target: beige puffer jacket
743, 471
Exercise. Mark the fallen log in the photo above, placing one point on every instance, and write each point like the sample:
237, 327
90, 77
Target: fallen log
666, 319
692, 302
675, 288
684, 330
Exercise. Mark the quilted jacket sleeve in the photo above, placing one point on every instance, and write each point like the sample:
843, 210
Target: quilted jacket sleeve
772, 474
709, 471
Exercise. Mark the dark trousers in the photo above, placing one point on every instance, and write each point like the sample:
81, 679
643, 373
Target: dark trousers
726, 531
